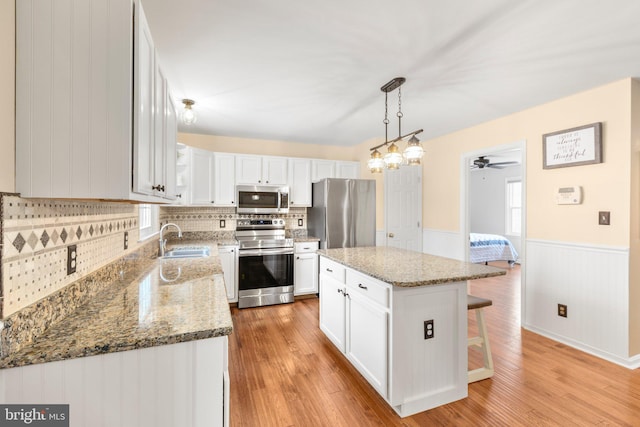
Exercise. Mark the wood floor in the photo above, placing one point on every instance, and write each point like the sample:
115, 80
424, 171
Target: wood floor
284, 372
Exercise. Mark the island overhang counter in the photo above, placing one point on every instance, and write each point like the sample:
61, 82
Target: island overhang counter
400, 318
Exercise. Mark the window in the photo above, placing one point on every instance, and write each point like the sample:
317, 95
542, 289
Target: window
514, 207
148, 220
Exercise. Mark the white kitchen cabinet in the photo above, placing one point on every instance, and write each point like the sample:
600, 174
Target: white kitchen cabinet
224, 183
355, 318
300, 183
305, 268
345, 169
75, 137
368, 328
261, 170
212, 178
146, 114
333, 314
321, 169
229, 261
201, 181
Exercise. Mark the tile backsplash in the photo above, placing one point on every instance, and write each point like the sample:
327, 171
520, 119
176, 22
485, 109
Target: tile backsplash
36, 234
211, 219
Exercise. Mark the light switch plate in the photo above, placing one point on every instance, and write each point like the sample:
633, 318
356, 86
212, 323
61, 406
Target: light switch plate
126, 240
604, 218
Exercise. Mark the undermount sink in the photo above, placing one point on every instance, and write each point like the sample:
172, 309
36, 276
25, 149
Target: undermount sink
188, 252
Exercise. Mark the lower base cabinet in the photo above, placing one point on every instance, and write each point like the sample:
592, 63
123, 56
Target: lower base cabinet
380, 330
229, 260
305, 268
184, 384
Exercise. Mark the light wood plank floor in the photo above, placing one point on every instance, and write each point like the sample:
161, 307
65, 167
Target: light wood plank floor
284, 372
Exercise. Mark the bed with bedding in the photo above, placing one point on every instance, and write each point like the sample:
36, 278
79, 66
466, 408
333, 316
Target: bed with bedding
491, 247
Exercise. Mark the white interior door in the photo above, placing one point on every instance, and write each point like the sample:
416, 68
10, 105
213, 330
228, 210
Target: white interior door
403, 207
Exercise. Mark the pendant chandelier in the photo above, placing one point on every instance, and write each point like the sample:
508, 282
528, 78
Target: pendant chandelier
393, 158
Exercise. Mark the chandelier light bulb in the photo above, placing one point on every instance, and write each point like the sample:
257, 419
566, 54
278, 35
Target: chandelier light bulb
375, 163
393, 159
414, 152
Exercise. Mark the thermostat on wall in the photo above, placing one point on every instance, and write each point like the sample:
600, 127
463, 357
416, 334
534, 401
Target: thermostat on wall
569, 195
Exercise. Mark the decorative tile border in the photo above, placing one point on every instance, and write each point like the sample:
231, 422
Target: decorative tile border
35, 234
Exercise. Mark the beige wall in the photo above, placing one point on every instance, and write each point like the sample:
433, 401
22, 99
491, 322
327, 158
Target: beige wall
606, 186
229, 144
7, 95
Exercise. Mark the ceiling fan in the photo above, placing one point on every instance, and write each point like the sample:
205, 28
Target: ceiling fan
482, 162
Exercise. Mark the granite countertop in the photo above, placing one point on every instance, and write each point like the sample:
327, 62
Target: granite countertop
404, 268
306, 239
154, 302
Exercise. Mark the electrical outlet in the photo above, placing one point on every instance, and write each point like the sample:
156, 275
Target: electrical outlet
126, 240
223, 223
72, 259
429, 331
562, 310
300, 222
604, 218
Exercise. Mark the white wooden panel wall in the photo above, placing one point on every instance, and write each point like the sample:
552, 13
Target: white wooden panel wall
428, 373
593, 282
443, 243
172, 385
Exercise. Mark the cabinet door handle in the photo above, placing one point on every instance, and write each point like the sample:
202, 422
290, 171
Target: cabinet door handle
340, 291
361, 286
306, 249
329, 270
158, 187
297, 257
391, 235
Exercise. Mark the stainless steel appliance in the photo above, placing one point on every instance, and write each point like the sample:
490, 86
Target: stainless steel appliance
343, 213
262, 199
265, 263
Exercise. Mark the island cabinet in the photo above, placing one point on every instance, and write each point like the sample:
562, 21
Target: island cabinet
94, 119
380, 328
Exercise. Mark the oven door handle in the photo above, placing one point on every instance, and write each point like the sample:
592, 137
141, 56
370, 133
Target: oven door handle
258, 252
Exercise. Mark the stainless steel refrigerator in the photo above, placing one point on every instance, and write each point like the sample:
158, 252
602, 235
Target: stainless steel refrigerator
343, 214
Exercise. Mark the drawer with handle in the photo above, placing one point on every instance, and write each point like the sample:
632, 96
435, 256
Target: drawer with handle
374, 289
333, 269
304, 247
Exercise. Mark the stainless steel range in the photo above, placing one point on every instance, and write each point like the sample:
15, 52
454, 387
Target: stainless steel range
265, 263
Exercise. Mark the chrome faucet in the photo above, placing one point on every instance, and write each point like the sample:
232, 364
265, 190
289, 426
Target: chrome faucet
163, 242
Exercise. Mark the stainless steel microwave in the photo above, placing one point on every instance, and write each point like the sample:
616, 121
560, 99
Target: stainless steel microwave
262, 199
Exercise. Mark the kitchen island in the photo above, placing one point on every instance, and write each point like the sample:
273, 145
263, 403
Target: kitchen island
400, 317
157, 337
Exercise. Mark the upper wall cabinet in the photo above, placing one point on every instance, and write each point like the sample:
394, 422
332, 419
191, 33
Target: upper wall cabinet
261, 170
347, 170
321, 169
300, 182
86, 106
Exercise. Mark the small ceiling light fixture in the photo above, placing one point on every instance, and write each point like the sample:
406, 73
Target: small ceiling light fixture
393, 159
188, 116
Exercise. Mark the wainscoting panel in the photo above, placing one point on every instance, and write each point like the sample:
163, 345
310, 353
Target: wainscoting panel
171, 385
443, 243
593, 282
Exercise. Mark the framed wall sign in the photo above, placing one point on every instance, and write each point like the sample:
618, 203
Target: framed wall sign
572, 147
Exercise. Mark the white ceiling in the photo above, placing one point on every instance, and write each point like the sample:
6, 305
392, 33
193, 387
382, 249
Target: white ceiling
311, 72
